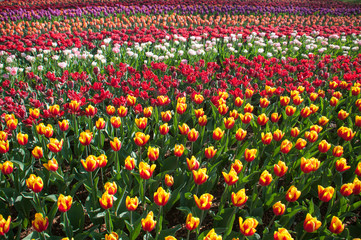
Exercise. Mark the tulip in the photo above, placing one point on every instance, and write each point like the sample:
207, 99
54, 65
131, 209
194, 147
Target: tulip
297, 100
346, 133
282, 234
279, 208
200, 176
250, 154
249, 93
48, 131
153, 153
193, 135
100, 124
161, 197
286, 146
147, 112
35, 183
238, 102
52, 165
122, 111
346, 189
222, 109
230, 178
129, 163
292, 194
246, 118
55, 146
358, 169
241, 134
131, 203
90, 164
237, 166
295, 131
4, 146
191, 222
355, 91
284, 100
323, 121
325, 194
342, 114
166, 116
265, 178
170, 238
12, 124
313, 108
248, 227
35, 113
90, 111
106, 201
204, 202
4, 136
184, 129
229, 122
311, 136
148, 223
280, 169
341, 165
212, 235
7, 167
169, 180
131, 100
102, 160
324, 146
181, 108
316, 128
313, 96
275, 117
202, 121
210, 152
248, 108
141, 122
145, 170
278, 135
111, 188
262, 119
311, 224
86, 138
110, 110
333, 101
64, 203
163, 100
164, 129
178, 150
309, 165
337, 151
4, 225
290, 110
74, 106
22, 138
234, 114
116, 122
336, 225
141, 139
264, 102
356, 186
37, 152
111, 236
239, 198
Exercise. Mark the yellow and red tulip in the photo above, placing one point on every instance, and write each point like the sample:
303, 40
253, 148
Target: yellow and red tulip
131, 203
40, 224
161, 197
239, 198
248, 226
64, 203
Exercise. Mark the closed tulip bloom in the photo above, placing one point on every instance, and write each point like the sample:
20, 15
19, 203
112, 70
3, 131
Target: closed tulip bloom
116, 122
106, 201
237, 166
202, 121
153, 153
234, 114
163, 100
4, 146
48, 131
313, 96
112, 236
238, 101
12, 124
279, 208
110, 110
35, 183
336, 225
355, 91
278, 135
250, 154
358, 121
181, 108
164, 129
265, 178
4, 225
7, 167
246, 118
178, 150
248, 108
295, 131
199, 112
86, 138
63, 125
309, 165
325, 194
100, 123
147, 112
297, 100
333, 101
282, 234
323, 121
191, 222
311, 136
292, 194
192, 163
90, 164
200, 176
204, 202
4, 136
229, 122
193, 135
313, 108
74, 106
356, 186
90, 111
230, 178
35, 113
311, 224
275, 117
55, 145
222, 109
166, 116
346, 189
284, 100
148, 223
40, 224
64, 203
316, 128
358, 169
184, 129
341, 165
145, 170
342, 114
52, 165
241, 134
212, 235
337, 151
131, 203
346, 133
262, 119
290, 110
141, 139
111, 188
170, 238
102, 160
239, 198
161, 197
249, 93
122, 111
248, 226
210, 152
141, 122
129, 163
324, 146
264, 102
168, 180
22, 138
37, 152
286, 146
131, 100
280, 169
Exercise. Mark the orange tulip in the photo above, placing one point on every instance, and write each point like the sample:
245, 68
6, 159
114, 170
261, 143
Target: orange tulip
111, 236
241, 134
131, 203
147, 112
248, 227
181, 108
295, 131
164, 129
279, 208
311, 224
222, 109
7, 167
63, 125
234, 114
122, 111
202, 121
110, 110
35, 183
161, 197
111, 187
264, 102
90, 164
40, 223
86, 138
35, 113
337, 151
102, 160
248, 108
286, 146
90, 111
169, 180
311, 136
52, 165
116, 122
333, 101
239, 198
12, 124
309, 165
37, 152
166, 116
358, 169
212, 235
141, 122
336, 225
323, 121
198, 98
106, 201
342, 114
265, 178
193, 135
292, 194
275, 117
290, 110
324, 146
282, 234
284, 100
210, 152
184, 129
262, 119
229, 122
100, 123
54, 145
346, 133
129, 163
341, 165
141, 139
246, 118
278, 135
280, 169
356, 186
204, 202
148, 223
250, 154
346, 189
238, 102
191, 222
200, 176
237, 166
4, 225
145, 170
325, 194
131, 100
178, 150
230, 178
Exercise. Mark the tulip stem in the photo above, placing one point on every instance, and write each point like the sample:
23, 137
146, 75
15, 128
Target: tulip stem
67, 227
93, 188
42, 236
158, 223
270, 223
131, 218
200, 224
143, 197
117, 162
147, 236
303, 235
189, 232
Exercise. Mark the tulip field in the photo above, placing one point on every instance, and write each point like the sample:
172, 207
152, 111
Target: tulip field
180, 119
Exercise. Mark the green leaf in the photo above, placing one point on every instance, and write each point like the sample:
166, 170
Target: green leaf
76, 216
